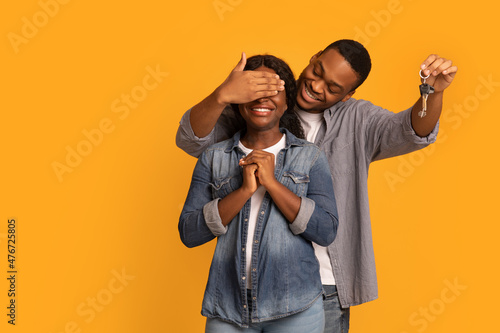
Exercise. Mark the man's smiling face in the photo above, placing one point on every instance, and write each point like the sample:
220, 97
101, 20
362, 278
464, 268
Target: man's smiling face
328, 79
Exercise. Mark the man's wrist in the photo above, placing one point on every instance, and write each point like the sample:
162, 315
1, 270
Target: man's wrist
219, 97
436, 94
435, 99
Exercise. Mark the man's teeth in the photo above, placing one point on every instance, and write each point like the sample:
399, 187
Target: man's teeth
309, 94
261, 109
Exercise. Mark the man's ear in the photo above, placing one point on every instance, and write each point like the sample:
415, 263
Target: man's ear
349, 95
314, 57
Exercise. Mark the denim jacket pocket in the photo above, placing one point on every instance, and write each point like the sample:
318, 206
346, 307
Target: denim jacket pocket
296, 182
225, 185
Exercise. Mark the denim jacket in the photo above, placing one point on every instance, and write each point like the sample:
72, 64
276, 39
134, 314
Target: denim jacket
285, 272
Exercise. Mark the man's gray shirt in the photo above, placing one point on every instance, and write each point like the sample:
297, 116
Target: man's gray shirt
354, 134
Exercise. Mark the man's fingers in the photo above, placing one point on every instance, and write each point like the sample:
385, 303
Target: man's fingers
271, 81
431, 68
447, 68
430, 59
264, 75
265, 93
451, 71
445, 65
436, 65
266, 88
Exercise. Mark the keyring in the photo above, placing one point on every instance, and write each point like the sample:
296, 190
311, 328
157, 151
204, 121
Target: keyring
424, 78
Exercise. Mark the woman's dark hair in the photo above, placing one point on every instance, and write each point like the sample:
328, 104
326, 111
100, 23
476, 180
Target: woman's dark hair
289, 120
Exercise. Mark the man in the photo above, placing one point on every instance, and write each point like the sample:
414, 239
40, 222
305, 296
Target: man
352, 133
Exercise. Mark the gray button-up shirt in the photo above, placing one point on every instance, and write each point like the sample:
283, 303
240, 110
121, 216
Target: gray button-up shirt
354, 134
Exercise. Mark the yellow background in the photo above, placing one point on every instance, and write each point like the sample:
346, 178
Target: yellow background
433, 212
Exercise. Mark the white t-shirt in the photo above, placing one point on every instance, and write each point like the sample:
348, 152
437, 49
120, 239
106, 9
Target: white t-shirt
311, 122
255, 203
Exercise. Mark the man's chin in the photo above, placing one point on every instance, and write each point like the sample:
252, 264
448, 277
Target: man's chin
310, 107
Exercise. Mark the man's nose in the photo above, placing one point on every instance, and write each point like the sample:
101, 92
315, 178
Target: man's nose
317, 86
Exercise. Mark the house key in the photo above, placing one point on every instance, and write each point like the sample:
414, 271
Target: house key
425, 90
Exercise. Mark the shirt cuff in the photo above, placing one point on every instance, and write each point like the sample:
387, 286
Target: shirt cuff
431, 138
306, 210
185, 125
212, 218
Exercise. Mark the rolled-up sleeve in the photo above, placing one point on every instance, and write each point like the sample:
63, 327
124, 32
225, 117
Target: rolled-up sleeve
186, 140
306, 209
227, 125
212, 218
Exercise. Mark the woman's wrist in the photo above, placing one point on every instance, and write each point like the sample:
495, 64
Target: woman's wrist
245, 192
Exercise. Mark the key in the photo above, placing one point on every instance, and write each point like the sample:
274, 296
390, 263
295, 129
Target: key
425, 90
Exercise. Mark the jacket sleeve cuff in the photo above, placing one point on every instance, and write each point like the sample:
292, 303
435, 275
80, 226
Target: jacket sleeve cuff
212, 218
306, 210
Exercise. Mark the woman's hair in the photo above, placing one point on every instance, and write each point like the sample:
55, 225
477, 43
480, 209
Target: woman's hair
289, 120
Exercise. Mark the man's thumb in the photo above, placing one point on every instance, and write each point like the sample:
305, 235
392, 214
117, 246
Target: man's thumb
241, 64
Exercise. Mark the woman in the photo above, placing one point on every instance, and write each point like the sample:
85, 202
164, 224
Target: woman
265, 195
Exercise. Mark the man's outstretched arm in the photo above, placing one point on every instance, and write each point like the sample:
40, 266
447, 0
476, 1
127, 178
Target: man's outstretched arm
442, 73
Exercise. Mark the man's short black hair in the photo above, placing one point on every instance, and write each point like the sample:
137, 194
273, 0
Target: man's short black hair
356, 55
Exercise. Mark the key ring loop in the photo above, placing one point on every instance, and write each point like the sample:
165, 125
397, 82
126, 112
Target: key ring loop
424, 78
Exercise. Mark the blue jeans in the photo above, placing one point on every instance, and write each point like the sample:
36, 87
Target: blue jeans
311, 320
336, 318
